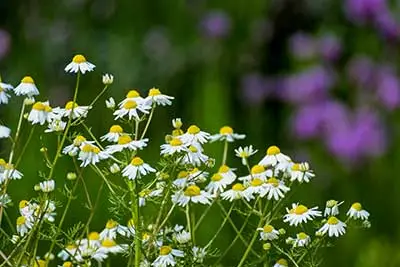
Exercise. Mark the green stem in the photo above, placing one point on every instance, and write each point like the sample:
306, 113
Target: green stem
148, 121
138, 236
92, 135
225, 153
221, 226
189, 224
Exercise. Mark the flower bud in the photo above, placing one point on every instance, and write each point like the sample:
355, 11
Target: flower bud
282, 231
177, 123
43, 149
36, 187
108, 79
71, 176
29, 101
114, 168
267, 246
110, 103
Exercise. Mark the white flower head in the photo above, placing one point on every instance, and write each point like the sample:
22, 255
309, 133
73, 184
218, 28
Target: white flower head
175, 145
268, 233
79, 64
182, 237
47, 186
41, 112
4, 96
301, 240
108, 79
167, 257
332, 207
4, 132
226, 134
73, 149
136, 168
110, 103
275, 188
27, 87
195, 156
199, 254
244, 153
113, 134
126, 142
155, 96
24, 224
356, 211
131, 105
193, 194
194, 135
238, 191
273, 157
300, 214
334, 227
218, 183
281, 263
301, 172
91, 154
111, 230
9, 172
71, 107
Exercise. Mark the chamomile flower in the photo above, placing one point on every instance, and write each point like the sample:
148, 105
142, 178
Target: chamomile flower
356, 211
131, 108
4, 131
268, 233
193, 194
182, 237
334, 227
238, 191
301, 172
197, 176
73, 149
182, 180
9, 172
227, 173
245, 153
74, 109
56, 125
91, 154
301, 240
300, 214
4, 87
110, 246
111, 230
89, 245
218, 183
199, 254
167, 257
113, 134
226, 134
256, 187
68, 251
79, 64
276, 189
194, 136
110, 103
41, 112
175, 145
281, 263
136, 168
195, 156
23, 225
257, 171
132, 95
273, 157
332, 207
47, 186
27, 87
126, 142
107, 79
155, 96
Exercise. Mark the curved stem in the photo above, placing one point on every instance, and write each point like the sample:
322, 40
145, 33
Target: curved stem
221, 226
148, 121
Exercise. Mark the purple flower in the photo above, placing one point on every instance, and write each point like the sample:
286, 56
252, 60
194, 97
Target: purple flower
216, 24
254, 88
310, 85
387, 25
388, 88
303, 46
361, 11
360, 70
330, 47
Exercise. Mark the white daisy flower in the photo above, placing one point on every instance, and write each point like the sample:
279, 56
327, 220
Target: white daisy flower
110, 103
9, 172
70, 249
193, 194
237, 192
334, 227
195, 156
71, 107
356, 211
276, 189
108, 79
136, 168
268, 233
4, 87
194, 135
131, 108
111, 230
257, 171
79, 63
88, 245
245, 153
332, 208
41, 112
4, 132
56, 125
227, 173
26, 209
300, 214
167, 257
91, 154
156, 97
182, 237
110, 246
23, 225
47, 186
113, 134
126, 142
174, 146
73, 149
256, 187
26, 87
226, 133
199, 254
197, 176
48, 209
301, 240
135, 96
273, 157
301, 172
281, 263
182, 179
218, 183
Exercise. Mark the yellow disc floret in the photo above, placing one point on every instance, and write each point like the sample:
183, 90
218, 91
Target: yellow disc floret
282, 262
124, 139
23, 204
257, 169
94, 236
79, 59
154, 92
27, 79
193, 129
79, 140
256, 182
165, 250
108, 243
70, 105
87, 148
268, 228
273, 181
132, 94
226, 130
357, 206
130, 104
299, 210
182, 174
223, 169
333, 220
192, 191
39, 106
21, 220
296, 167
111, 224
116, 129
238, 187
67, 264
302, 235
175, 142
273, 150
216, 177
136, 161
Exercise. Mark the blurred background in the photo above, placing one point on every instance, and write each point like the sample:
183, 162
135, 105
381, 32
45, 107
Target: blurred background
318, 78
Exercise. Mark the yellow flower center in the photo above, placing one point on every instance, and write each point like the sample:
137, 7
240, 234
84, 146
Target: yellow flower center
193, 129
2, 162
192, 191
1, 89
268, 228
256, 182
124, 139
131, 223
332, 220
94, 236
9, 166
296, 167
79, 59
238, 187
108, 243
331, 203
273, 150
194, 170
111, 224
144, 192
182, 174
177, 132
223, 169
132, 94
154, 92
216, 177
87, 148
27, 79
299, 210
67, 264
136, 161
302, 236
257, 169
70, 246
79, 140
226, 130
23, 204
130, 104
175, 142
116, 129
282, 262
145, 236
39, 106
47, 108
70, 105
165, 250
357, 206
193, 149
21, 220
273, 181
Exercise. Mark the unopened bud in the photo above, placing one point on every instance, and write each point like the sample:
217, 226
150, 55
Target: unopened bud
267, 246
29, 101
282, 231
71, 176
108, 79
114, 168
43, 149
